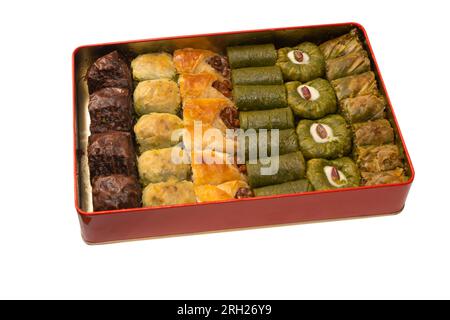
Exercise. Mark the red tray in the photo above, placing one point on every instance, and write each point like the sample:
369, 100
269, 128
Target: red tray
108, 226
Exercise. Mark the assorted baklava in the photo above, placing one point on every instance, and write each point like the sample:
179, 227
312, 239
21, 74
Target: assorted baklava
332, 129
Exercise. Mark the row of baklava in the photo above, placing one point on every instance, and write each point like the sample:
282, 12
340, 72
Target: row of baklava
163, 168
260, 96
111, 154
206, 92
361, 103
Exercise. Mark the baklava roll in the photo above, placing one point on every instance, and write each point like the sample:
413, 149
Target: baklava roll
341, 46
168, 193
191, 60
160, 95
213, 117
276, 170
158, 130
349, 65
282, 118
376, 132
110, 109
286, 142
151, 66
109, 71
214, 168
257, 76
204, 85
259, 97
363, 108
110, 153
353, 86
327, 138
252, 56
301, 63
383, 177
296, 186
378, 158
236, 189
164, 164
332, 174
115, 192
312, 100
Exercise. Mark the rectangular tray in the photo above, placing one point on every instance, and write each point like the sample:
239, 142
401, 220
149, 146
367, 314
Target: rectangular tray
127, 224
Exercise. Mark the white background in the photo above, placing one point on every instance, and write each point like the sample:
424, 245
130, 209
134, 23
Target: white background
41, 251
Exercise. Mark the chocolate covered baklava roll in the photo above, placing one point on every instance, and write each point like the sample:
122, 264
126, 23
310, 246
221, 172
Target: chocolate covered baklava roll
110, 109
110, 153
115, 192
158, 130
160, 95
109, 71
151, 66
376, 132
312, 100
327, 138
296, 186
341, 46
168, 193
332, 174
363, 108
252, 56
301, 63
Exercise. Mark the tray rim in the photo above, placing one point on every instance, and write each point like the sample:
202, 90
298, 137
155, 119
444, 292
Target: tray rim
303, 194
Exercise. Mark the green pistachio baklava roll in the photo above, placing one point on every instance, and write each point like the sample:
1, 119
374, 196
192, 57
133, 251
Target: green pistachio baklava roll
383, 177
341, 46
276, 170
282, 118
312, 100
150, 66
353, 86
296, 186
259, 97
376, 132
349, 65
327, 138
378, 158
252, 56
363, 108
257, 76
155, 131
160, 95
163, 165
285, 141
301, 63
332, 174
168, 193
